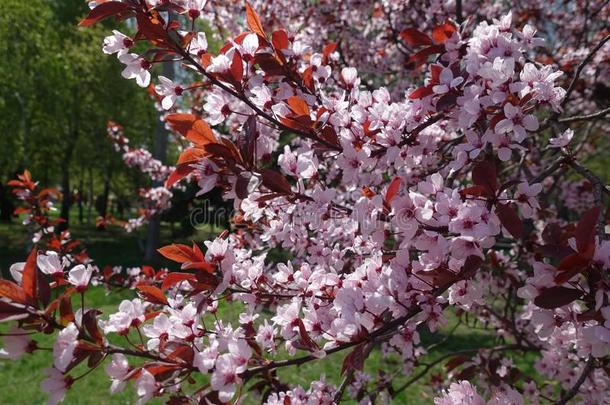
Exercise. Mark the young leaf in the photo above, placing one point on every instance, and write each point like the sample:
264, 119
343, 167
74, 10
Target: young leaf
178, 253
29, 281
254, 21
392, 190
152, 294
192, 128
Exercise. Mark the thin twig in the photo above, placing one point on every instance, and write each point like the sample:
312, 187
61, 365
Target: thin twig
581, 66
574, 390
598, 114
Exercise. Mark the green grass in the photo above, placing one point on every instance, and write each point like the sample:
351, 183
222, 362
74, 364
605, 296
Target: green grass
20, 380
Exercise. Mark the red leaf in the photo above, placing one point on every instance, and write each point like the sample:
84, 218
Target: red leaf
571, 266
29, 281
298, 105
178, 253
392, 190
327, 50
104, 10
421, 92
254, 21
152, 27
476, 191
175, 278
274, 181
557, 296
237, 69
279, 39
415, 37
192, 128
152, 294
182, 170
354, 360
484, 174
66, 314
422, 56
509, 218
443, 32
586, 229
12, 291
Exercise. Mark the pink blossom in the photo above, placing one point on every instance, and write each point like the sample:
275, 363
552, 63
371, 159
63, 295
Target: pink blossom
55, 385
117, 370
16, 343
65, 344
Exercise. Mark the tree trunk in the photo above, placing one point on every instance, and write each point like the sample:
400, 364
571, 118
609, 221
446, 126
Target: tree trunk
160, 153
90, 196
81, 208
66, 201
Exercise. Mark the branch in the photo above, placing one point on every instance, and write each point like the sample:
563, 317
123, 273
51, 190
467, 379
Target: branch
429, 366
598, 114
574, 390
349, 376
250, 104
581, 66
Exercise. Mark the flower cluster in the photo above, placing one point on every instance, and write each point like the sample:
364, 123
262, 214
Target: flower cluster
395, 207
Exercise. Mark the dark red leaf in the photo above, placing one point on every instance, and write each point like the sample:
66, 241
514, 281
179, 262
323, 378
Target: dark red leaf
586, 229
484, 174
104, 10
354, 360
192, 128
274, 181
182, 170
179, 253
557, 296
510, 219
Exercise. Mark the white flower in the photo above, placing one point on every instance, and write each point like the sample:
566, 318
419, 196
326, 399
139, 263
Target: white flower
50, 264
562, 140
79, 277
220, 64
199, 44
169, 90
137, 68
117, 43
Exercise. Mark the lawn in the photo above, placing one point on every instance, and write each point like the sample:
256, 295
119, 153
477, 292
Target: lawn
20, 381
